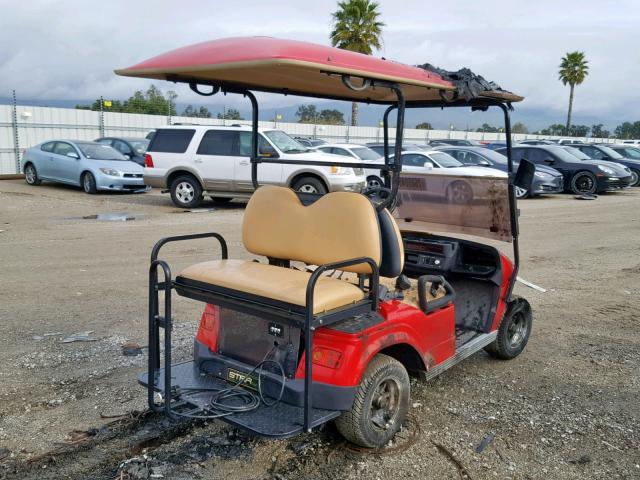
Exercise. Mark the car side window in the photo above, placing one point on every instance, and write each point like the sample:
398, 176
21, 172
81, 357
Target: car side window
534, 155
220, 142
122, 147
48, 147
340, 151
244, 148
413, 160
62, 148
171, 140
594, 153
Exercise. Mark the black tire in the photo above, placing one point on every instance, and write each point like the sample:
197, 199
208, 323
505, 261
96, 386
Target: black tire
514, 330
374, 181
221, 200
309, 185
459, 192
31, 174
385, 381
635, 180
583, 182
186, 191
89, 183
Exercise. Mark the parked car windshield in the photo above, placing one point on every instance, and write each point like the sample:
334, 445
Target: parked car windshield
95, 151
140, 146
611, 152
365, 153
577, 153
445, 160
285, 143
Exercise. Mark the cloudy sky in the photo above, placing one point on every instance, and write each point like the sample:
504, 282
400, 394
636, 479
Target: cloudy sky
67, 49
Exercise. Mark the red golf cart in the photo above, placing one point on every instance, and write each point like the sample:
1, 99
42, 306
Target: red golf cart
310, 333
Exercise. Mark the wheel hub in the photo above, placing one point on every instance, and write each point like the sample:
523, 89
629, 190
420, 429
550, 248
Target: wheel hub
517, 330
184, 192
306, 188
385, 404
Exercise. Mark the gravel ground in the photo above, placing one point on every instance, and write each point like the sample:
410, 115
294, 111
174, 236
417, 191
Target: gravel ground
567, 408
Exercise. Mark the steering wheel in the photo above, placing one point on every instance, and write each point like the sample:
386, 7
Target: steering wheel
377, 194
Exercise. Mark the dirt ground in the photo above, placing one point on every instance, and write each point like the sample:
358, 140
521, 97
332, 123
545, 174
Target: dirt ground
567, 408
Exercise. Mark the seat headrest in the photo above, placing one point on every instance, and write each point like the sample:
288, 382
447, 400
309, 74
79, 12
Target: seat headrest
338, 226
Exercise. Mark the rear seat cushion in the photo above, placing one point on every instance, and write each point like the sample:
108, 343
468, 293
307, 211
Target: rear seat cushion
338, 226
271, 283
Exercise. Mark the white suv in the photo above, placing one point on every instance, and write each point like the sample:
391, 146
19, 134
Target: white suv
192, 161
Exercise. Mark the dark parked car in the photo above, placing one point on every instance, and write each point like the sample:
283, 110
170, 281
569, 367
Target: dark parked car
460, 142
496, 145
580, 176
310, 142
602, 152
536, 141
132, 148
629, 151
545, 179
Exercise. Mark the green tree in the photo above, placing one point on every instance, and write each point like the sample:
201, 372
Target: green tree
578, 131
519, 127
202, 112
307, 114
486, 128
424, 126
574, 69
356, 26
331, 117
152, 102
598, 131
230, 114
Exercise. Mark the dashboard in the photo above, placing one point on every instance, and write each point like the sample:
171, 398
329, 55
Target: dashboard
429, 254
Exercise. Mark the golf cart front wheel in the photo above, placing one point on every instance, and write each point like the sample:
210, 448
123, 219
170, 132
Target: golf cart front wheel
514, 330
380, 406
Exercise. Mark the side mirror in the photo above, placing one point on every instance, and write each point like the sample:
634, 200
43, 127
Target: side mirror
428, 166
73, 155
267, 151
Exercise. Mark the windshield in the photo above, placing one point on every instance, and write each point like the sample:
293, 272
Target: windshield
284, 142
577, 153
365, 153
95, 151
631, 153
445, 160
140, 146
561, 153
611, 152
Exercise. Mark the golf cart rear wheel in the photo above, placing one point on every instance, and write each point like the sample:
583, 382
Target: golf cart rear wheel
514, 330
186, 191
380, 405
584, 182
309, 185
31, 175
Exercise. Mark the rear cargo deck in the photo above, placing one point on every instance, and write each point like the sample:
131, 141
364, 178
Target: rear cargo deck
277, 421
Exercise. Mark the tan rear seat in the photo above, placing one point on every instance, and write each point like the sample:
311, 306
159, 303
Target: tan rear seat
338, 226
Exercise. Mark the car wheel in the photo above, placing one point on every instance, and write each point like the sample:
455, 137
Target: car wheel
89, 183
459, 192
584, 182
373, 181
186, 191
309, 185
31, 175
635, 178
514, 330
380, 406
521, 192
221, 200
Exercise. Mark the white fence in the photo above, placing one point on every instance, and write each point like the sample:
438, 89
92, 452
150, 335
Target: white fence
27, 126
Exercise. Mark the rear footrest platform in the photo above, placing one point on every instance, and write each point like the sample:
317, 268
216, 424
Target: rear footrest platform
281, 420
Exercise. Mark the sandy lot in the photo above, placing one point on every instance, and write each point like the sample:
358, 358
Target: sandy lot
568, 408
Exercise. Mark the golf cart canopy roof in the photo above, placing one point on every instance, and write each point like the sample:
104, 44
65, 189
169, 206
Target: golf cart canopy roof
299, 68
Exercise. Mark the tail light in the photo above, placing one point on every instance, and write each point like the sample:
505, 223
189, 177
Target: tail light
148, 161
209, 326
327, 357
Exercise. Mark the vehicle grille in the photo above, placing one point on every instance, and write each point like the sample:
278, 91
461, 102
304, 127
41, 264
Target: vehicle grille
618, 183
358, 171
132, 175
132, 187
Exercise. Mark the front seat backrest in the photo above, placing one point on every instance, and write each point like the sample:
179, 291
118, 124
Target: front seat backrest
338, 226
392, 247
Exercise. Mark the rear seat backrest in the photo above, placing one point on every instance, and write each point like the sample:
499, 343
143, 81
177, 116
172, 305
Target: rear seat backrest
338, 226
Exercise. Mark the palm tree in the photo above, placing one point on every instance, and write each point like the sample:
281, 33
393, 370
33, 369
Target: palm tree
574, 69
356, 27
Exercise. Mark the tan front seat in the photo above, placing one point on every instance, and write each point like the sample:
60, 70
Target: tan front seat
338, 226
